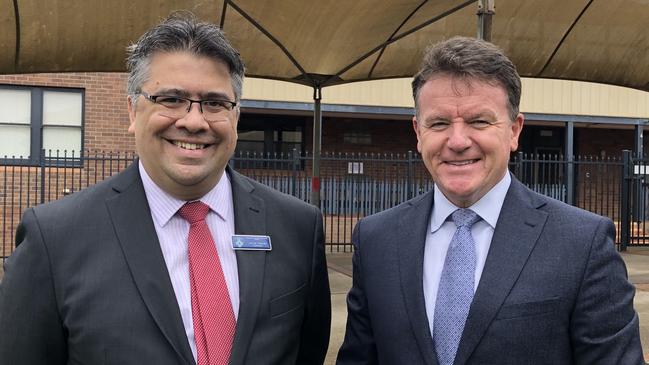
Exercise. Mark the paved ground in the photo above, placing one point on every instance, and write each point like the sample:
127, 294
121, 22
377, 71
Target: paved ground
340, 270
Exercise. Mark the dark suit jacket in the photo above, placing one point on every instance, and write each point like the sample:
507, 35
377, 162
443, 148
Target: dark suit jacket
553, 290
88, 283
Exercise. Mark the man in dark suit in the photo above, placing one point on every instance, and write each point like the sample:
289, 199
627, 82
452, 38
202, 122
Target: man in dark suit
129, 271
482, 270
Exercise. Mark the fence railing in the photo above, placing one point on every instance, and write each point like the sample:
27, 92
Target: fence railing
353, 185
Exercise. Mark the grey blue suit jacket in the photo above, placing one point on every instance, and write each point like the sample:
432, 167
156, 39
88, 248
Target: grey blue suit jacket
553, 290
88, 283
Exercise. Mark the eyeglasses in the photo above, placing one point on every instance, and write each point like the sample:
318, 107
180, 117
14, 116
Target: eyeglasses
213, 110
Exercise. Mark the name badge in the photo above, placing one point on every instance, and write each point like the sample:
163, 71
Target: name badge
251, 242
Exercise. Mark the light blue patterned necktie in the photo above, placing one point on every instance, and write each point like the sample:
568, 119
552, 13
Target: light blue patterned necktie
456, 285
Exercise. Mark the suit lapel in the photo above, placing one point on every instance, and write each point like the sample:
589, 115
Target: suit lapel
249, 218
517, 231
131, 217
414, 225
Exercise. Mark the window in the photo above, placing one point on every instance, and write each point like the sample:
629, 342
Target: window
251, 142
270, 134
34, 119
357, 137
269, 141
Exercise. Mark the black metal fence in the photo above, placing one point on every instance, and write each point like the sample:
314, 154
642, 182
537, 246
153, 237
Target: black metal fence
354, 185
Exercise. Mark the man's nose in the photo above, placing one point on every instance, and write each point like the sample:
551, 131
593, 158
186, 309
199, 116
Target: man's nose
193, 121
459, 137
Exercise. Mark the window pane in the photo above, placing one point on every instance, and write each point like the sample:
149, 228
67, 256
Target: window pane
62, 108
292, 136
251, 147
251, 135
62, 139
14, 141
15, 107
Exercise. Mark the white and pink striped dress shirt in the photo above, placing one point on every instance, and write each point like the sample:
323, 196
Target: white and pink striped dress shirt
173, 231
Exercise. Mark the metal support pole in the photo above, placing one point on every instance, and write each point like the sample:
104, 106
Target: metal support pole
638, 145
639, 180
410, 179
625, 219
295, 168
486, 10
42, 168
569, 152
317, 141
519, 166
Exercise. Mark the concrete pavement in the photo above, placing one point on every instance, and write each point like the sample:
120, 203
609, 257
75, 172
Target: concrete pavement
340, 271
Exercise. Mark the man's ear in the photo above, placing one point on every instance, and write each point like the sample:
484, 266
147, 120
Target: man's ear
517, 128
416, 129
131, 114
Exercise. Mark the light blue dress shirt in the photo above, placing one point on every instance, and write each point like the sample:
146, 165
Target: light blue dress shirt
442, 230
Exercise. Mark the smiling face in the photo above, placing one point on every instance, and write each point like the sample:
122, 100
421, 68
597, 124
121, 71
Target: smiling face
465, 135
185, 157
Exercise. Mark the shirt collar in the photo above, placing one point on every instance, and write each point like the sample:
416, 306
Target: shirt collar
488, 207
164, 206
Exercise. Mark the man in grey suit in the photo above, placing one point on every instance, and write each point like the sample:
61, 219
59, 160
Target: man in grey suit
105, 276
482, 270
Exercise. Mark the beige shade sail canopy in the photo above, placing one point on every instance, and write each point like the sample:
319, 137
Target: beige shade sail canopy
327, 42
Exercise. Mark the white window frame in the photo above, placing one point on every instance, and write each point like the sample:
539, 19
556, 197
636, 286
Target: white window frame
39, 157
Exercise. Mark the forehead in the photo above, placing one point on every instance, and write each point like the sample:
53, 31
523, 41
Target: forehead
451, 93
190, 72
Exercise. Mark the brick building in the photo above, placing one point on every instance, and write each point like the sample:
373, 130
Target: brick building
87, 112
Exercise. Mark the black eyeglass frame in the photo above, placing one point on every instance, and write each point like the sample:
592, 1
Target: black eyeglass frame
154, 99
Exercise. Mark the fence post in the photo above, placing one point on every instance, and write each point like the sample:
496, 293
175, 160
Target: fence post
570, 179
42, 166
296, 166
518, 160
409, 179
625, 219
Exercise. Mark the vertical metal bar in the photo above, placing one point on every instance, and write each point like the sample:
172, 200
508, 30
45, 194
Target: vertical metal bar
317, 141
296, 166
625, 226
638, 141
42, 166
486, 10
12, 203
410, 183
5, 239
570, 167
518, 161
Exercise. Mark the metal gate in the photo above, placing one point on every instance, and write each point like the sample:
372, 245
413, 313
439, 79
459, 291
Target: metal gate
635, 201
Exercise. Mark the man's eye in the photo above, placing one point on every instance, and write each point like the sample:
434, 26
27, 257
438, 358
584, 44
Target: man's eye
479, 123
437, 125
215, 104
170, 101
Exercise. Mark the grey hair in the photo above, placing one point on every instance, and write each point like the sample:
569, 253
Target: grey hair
470, 58
182, 31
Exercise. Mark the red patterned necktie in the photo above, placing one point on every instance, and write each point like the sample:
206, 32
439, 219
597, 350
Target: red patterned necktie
212, 313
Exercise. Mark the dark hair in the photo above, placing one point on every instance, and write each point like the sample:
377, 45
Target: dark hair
470, 58
182, 31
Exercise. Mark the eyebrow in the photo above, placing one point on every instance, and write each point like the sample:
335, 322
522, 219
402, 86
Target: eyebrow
174, 92
482, 114
186, 94
472, 116
215, 95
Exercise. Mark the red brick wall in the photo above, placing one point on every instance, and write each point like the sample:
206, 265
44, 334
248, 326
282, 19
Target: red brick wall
106, 117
